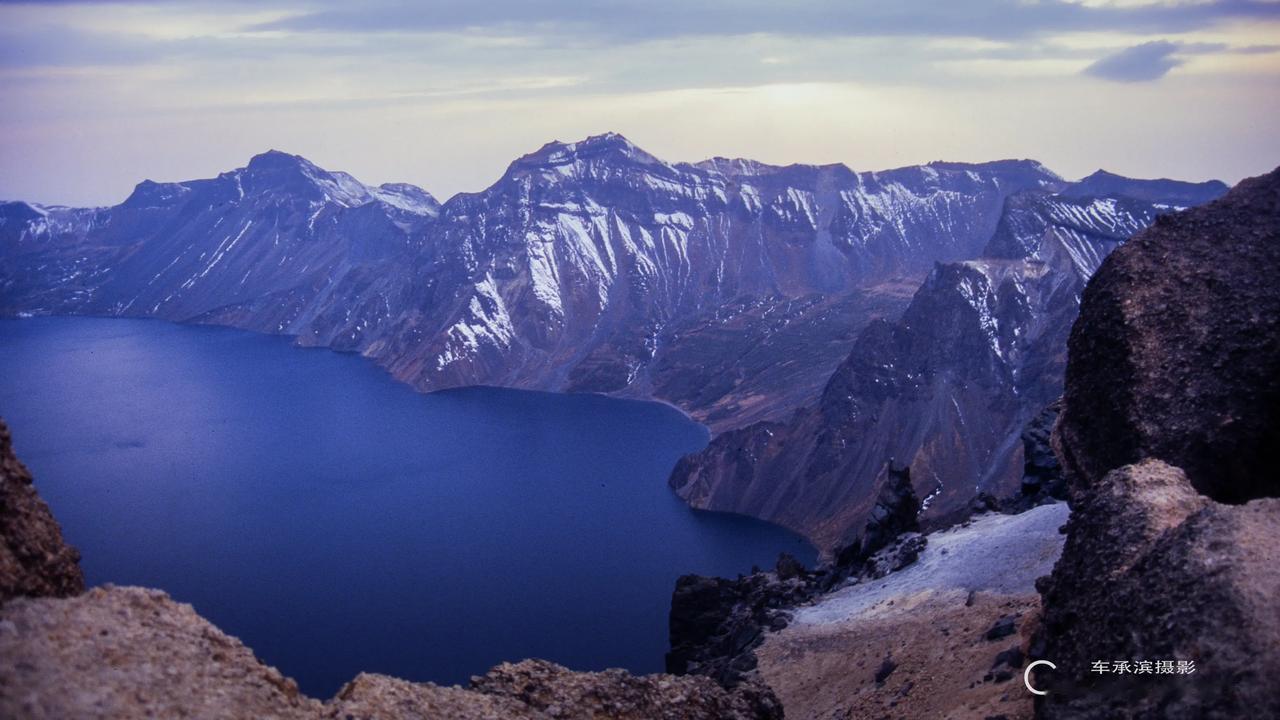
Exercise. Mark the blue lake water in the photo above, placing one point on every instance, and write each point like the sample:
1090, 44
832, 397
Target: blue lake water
337, 521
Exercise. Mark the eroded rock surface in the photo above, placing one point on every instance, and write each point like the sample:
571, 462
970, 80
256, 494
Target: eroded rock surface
561, 693
34, 559
947, 388
1176, 354
1170, 436
131, 653
125, 652
1154, 571
379, 696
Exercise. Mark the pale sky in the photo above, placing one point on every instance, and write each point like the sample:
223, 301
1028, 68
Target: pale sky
97, 96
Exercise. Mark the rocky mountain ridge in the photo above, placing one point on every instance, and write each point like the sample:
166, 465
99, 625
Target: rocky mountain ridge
732, 289
1159, 604
947, 389
1172, 360
588, 266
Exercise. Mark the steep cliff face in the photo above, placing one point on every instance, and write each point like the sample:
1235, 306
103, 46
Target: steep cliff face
595, 266
947, 389
34, 560
1168, 436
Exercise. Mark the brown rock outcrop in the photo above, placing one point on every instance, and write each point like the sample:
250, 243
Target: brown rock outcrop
945, 637
128, 653
1176, 354
34, 560
619, 695
379, 696
123, 652
1154, 571
1170, 437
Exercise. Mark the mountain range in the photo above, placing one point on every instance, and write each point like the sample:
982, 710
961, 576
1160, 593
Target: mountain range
825, 323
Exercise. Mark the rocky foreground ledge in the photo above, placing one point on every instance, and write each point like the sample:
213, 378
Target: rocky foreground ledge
127, 652
1170, 436
945, 637
33, 558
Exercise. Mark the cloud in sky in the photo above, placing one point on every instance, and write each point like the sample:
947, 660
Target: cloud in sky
445, 93
1153, 60
647, 19
1140, 63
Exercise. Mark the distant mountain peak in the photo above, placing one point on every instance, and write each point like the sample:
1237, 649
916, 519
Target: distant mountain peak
609, 141
746, 167
277, 159
1100, 174
1175, 193
1007, 165
149, 193
407, 197
610, 145
733, 167
275, 170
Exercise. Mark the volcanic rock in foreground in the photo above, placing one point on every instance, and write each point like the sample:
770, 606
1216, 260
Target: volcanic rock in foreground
131, 652
1154, 571
1171, 413
1176, 354
34, 560
127, 652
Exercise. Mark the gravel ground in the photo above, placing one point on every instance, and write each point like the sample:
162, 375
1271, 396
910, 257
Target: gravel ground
993, 553
914, 644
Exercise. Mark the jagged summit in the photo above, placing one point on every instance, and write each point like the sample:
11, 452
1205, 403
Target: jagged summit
283, 176
1005, 164
736, 166
610, 145
149, 194
277, 159
744, 168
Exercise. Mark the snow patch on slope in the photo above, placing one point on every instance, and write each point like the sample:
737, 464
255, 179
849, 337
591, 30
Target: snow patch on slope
486, 322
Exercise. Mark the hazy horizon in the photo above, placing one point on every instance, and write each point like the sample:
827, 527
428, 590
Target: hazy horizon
444, 95
444, 198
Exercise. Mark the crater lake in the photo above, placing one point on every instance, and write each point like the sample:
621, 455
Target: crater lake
337, 521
